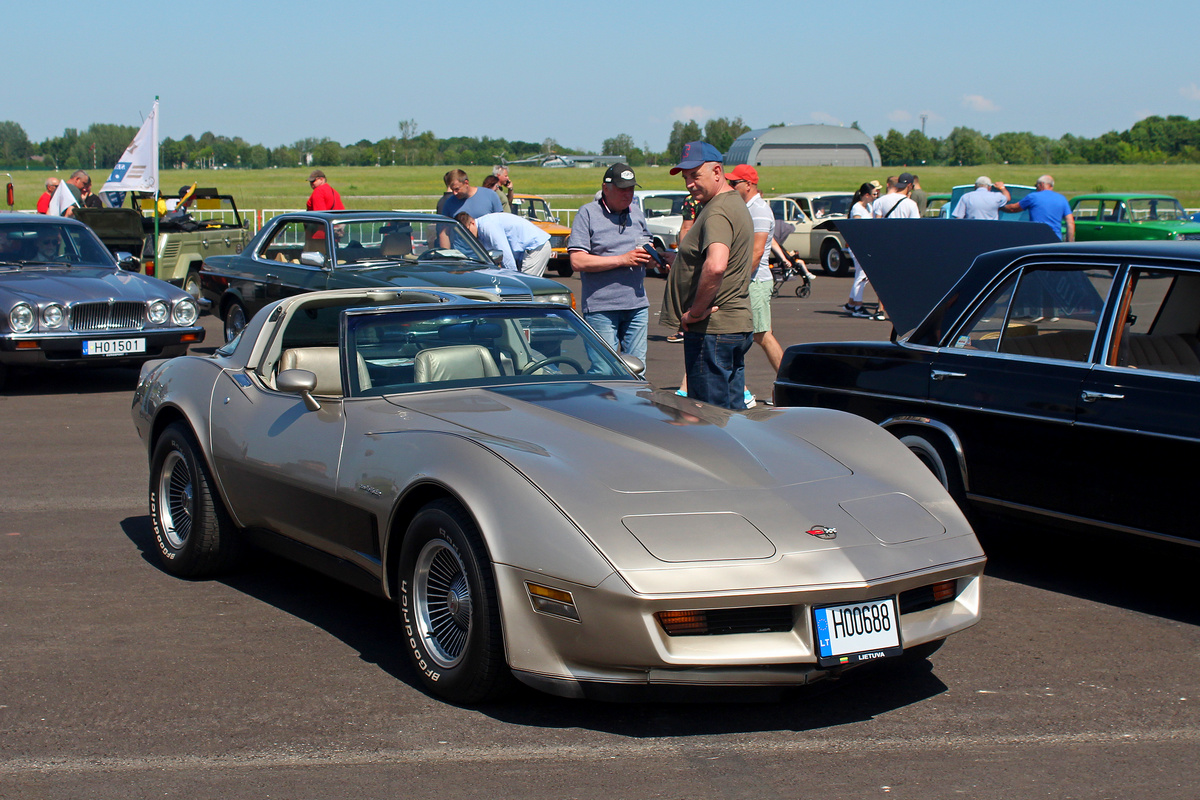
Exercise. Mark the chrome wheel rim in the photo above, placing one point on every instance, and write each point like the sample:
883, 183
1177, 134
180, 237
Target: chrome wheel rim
176, 500
443, 603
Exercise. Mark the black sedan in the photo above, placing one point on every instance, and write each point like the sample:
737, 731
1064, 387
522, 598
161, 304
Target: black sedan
304, 252
1056, 381
65, 302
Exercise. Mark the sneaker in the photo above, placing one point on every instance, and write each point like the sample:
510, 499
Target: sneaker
681, 392
675, 338
879, 315
849, 309
861, 313
749, 399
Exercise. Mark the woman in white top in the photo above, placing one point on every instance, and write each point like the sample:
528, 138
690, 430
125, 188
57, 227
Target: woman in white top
861, 209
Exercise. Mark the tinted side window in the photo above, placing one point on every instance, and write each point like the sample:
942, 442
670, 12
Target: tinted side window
1041, 313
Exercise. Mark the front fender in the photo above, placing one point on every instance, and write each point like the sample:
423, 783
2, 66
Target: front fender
521, 525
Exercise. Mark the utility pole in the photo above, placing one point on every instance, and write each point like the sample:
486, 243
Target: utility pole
923, 118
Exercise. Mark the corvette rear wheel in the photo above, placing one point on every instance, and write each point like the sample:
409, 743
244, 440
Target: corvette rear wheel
448, 606
192, 530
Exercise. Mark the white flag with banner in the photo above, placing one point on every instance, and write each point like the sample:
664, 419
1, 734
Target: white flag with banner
137, 169
61, 200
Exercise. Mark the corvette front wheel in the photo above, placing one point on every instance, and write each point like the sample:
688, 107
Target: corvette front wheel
448, 606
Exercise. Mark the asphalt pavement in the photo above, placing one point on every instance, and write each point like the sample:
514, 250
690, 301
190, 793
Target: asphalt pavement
120, 681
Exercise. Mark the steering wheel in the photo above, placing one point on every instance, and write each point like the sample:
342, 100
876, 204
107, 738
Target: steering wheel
429, 255
534, 366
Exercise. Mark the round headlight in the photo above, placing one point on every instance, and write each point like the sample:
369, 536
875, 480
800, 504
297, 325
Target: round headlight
21, 318
157, 312
52, 316
185, 313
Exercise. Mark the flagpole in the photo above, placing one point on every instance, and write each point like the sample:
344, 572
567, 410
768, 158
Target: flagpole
157, 189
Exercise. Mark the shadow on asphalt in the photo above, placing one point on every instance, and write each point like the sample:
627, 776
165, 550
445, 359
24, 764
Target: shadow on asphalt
1144, 576
1124, 571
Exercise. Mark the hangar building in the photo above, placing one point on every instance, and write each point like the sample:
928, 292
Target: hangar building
804, 146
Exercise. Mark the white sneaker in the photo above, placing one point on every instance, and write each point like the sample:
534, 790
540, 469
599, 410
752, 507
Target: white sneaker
749, 399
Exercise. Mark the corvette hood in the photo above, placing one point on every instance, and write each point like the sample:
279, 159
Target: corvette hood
630, 441
74, 285
661, 484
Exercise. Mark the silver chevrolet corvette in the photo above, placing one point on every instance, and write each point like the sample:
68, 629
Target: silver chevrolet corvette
535, 509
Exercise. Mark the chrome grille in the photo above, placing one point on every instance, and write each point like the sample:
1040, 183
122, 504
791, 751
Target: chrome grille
1191, 236
558, 241
108, 316
516, 297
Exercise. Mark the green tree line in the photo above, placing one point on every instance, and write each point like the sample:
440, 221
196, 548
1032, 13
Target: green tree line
1153, 140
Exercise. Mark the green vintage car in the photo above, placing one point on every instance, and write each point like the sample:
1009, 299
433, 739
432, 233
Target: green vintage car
1105, 217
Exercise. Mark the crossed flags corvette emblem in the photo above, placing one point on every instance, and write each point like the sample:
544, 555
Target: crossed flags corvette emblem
822, 532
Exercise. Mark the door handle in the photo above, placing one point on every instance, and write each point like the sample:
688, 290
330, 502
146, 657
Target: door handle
1091, 397
941, 374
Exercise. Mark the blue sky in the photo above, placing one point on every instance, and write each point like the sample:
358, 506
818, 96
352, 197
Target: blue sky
274, 72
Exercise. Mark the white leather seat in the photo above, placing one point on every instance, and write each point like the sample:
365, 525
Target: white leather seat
324, 363
454, 363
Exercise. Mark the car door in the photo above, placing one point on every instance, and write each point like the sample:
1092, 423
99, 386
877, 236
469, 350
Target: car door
281, 260
800, 240
278, 463
1008, 384
1137, 410
1089, 219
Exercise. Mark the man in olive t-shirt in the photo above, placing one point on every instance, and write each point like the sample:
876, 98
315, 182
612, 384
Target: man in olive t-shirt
707, 294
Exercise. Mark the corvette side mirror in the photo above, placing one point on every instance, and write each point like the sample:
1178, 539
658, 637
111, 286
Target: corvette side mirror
301, 382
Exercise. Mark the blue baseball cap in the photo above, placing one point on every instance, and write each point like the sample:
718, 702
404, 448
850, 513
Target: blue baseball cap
695, 154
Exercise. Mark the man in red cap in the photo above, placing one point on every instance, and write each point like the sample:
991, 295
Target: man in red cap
707, 293
744, 180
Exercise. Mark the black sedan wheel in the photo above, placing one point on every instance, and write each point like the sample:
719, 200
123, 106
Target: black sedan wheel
448, 606
235, 319
194, 534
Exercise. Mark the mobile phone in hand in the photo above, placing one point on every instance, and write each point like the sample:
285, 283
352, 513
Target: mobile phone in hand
658, 259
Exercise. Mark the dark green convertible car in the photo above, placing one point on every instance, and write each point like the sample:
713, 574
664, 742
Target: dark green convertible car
1109, 217
311, 251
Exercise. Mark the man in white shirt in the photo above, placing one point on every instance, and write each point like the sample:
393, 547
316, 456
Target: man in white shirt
898, 204
982, 203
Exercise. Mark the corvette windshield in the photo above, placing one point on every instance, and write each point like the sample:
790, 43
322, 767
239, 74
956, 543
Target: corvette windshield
434, 240
419, 350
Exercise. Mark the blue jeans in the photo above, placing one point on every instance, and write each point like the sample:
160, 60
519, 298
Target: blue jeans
625, 331
715, 364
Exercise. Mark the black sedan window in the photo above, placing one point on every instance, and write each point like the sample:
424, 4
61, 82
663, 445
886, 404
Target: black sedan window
1044, 313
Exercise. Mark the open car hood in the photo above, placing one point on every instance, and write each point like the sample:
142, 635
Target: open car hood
912, 264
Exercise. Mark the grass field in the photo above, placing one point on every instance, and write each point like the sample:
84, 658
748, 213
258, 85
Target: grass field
419, 187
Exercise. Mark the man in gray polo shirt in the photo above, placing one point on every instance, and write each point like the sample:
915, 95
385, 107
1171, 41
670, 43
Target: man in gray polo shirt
606, 250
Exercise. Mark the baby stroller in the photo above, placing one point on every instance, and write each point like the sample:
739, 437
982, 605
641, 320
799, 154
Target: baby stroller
784, 272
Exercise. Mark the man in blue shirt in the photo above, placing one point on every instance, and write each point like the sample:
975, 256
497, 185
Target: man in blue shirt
523, 246
475, 200
1048, 207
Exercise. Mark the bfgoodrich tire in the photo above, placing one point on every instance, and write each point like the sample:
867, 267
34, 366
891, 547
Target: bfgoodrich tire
448, 607
193, 532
